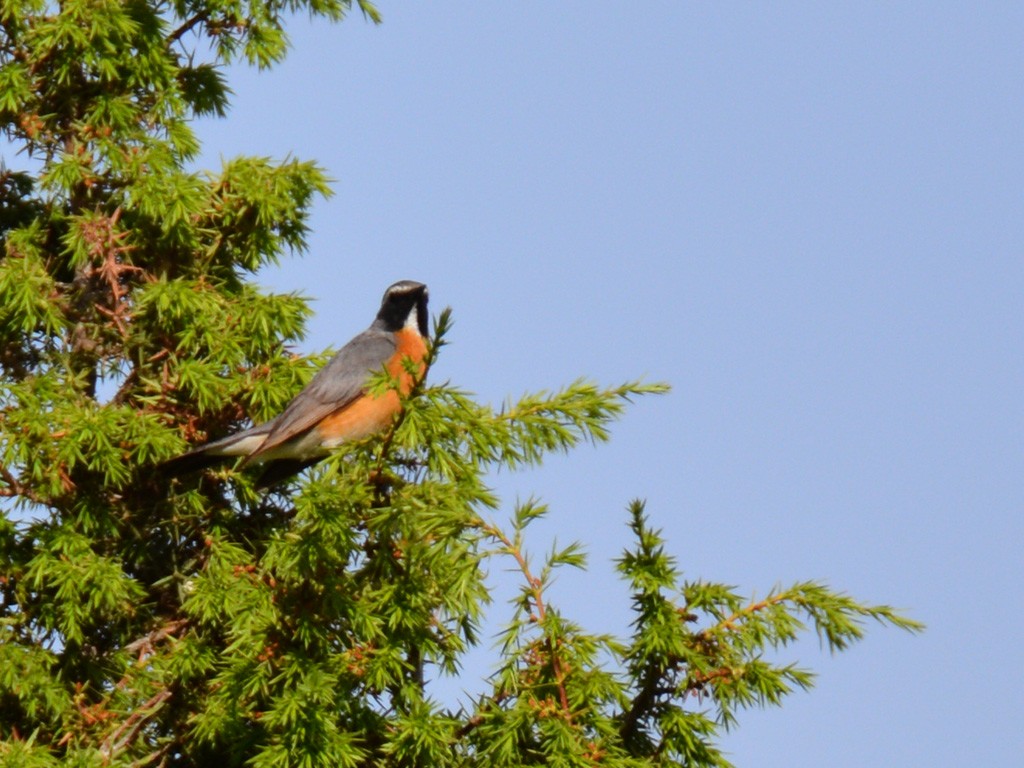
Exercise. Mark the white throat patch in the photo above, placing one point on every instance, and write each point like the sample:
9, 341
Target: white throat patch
412, 320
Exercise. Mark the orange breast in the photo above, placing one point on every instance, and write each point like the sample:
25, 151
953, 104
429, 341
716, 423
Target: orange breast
361, 418
409, 344
368, 415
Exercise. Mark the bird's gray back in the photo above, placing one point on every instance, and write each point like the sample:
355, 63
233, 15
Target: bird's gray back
337, 384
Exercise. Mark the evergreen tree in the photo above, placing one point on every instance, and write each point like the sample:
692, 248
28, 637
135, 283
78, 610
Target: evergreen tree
146, 621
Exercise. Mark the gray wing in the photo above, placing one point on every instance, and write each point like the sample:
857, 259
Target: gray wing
336, 385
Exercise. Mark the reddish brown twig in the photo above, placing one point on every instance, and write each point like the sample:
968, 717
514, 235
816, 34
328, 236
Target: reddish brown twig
127, 731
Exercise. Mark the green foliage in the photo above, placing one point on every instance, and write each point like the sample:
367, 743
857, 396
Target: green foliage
151, 622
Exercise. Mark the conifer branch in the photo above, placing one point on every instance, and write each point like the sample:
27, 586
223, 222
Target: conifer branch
184, 29
16, 488
535, 585
128, 731
539, 614
475, 721
644, 699
144, 645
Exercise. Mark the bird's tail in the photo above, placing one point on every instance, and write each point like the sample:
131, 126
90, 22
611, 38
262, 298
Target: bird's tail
239, 444
271, 473
190, 462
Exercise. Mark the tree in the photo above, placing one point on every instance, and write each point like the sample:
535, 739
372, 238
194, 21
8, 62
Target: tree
147, 621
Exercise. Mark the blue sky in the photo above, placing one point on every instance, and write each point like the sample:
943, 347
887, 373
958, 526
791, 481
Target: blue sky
807, 217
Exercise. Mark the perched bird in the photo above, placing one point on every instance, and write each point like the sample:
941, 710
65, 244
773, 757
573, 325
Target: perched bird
335, 407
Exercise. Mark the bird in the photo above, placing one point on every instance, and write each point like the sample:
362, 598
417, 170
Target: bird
336, 406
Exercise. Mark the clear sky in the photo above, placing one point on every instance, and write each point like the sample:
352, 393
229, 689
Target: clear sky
807, 217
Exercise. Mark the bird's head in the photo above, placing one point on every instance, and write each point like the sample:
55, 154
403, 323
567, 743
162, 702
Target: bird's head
404, 306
